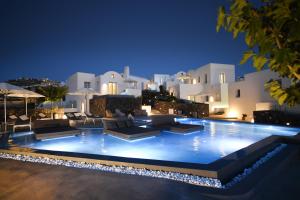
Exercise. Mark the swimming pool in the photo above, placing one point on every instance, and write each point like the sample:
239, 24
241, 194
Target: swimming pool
217, 140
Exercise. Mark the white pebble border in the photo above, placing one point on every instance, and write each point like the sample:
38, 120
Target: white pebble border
249, 170
187, 178
191, 179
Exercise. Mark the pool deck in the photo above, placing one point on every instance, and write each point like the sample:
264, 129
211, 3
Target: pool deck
24, 180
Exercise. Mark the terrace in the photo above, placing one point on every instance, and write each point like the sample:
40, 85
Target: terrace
192, 131
218, 157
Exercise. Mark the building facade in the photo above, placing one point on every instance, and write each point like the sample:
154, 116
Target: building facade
111, 82
248, 94
206, 84
215, 84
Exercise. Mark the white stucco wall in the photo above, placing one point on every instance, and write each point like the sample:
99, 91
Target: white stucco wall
252, 92
161, 79
217, 69
110, 76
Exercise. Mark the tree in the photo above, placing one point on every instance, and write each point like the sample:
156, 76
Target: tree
272, 34
54, 94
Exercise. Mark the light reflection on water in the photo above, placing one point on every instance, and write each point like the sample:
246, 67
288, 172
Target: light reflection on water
217, 140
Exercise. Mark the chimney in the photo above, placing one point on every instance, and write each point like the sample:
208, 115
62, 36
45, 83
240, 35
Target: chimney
126, 72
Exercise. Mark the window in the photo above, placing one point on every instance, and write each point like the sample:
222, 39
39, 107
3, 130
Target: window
199, 79
238, 93
205, 80
113, 75
194, 81
87, 84
222, 78
112, 88
206, 98
191, 98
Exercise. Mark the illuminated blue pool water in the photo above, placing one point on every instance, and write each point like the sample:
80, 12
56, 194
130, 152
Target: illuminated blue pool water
217, 140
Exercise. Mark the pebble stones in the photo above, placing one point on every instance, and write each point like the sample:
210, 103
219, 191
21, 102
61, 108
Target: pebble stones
196, 180
248, 171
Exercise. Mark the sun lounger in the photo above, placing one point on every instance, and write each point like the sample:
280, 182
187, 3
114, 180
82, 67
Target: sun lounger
125, 129
167, 122
20, 122
42, 116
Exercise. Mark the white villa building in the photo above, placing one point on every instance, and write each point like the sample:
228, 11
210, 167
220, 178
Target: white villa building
214, 84
206, 84
111, 82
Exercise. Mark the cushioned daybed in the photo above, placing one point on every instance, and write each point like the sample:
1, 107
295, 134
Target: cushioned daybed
125, 129
167, 122
47, 129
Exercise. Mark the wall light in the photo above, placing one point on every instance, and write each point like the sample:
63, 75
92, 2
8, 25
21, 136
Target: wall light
232, 113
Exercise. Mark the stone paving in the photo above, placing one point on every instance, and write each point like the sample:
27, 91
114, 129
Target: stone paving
25, 180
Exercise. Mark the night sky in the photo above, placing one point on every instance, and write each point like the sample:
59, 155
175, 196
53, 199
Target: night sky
56, 38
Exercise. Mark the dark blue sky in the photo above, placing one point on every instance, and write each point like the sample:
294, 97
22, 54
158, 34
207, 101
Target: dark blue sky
56, 38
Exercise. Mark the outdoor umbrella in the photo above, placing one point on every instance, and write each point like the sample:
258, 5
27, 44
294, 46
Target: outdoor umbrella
26, 94
85, 92
8, 89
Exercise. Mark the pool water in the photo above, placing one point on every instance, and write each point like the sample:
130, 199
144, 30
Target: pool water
217, 140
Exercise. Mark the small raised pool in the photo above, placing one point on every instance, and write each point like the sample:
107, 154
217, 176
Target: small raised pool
217, 140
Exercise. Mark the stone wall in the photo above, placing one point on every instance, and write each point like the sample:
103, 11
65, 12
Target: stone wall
125, 103
188, 109
276, 117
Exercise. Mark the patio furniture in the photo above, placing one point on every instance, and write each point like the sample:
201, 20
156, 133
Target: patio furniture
42, 116
167, 122
125, 129
70, 116
21, 121
9, 90
47, 129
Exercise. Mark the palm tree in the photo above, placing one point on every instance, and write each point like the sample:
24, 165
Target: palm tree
54, 94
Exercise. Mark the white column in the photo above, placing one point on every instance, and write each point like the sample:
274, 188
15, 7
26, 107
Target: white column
26, 109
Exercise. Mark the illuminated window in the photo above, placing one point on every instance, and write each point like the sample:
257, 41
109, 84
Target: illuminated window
238, 93
113, 75
112, 88
87, 84
194, 81
191, 98
222, 78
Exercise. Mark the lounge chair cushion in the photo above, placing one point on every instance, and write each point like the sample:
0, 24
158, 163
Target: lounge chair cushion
23, 117
13, 117
42, 115
77, 114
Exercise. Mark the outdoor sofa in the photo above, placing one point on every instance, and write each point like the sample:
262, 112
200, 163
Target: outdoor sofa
125, 128
47, 129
